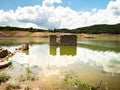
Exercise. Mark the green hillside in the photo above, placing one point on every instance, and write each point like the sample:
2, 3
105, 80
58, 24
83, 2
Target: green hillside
95, 29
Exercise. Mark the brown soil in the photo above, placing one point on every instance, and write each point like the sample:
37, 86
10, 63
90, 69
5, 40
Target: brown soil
45, 35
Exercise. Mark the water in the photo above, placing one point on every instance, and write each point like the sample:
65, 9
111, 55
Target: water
89, 61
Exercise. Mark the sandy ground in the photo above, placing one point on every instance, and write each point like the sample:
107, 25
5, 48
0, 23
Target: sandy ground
27, 34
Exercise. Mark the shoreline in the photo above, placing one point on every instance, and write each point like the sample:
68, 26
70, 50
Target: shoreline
26, 36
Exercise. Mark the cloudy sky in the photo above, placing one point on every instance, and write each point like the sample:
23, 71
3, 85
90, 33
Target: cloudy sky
50, 14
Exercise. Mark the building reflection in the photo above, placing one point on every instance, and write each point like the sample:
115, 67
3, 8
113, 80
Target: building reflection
63, 50
68, 50
26, 52
53, 50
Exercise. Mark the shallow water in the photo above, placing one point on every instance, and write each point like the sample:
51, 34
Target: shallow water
89, 61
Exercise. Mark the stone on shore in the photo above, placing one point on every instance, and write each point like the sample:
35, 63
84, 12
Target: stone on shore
26, 46
3, 53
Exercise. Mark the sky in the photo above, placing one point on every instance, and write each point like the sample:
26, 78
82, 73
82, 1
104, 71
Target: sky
51, 14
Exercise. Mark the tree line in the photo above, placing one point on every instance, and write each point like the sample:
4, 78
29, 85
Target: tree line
8, 28
95, 29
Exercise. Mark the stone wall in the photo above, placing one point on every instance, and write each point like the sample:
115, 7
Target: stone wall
65, 40
68, 40
53, 40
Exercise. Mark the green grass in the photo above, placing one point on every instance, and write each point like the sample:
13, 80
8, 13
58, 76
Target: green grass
77, 83
30, 75
4, 77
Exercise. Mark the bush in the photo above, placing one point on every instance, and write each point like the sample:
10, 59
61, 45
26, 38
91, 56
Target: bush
77, 83
4, 77
30, 75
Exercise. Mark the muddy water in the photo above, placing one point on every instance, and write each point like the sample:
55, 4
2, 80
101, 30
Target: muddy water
89, 61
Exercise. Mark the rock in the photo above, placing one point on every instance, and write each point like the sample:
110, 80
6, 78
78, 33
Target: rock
3, 53
1, 48
5, 64
26, 46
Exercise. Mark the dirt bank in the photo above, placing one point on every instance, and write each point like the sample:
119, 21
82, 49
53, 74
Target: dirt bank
45, 35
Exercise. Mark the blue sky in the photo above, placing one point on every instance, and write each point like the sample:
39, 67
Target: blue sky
78, 5
51, 14
85, 5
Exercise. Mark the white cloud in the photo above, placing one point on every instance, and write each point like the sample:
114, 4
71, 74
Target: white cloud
28, 25
49, 16
6, 17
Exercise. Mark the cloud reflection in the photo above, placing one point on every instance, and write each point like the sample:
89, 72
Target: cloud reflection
39, 55
100, 58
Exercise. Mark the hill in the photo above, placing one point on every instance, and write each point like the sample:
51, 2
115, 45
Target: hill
95, 29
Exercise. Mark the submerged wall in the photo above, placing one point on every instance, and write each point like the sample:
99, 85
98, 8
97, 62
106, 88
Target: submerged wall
68, 40
64, 40
53, 40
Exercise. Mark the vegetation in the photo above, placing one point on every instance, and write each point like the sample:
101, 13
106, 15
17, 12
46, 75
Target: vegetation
4, 77
95, 29
30, 75
8, 28
77, 83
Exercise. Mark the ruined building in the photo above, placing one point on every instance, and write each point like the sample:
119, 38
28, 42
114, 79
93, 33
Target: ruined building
63, 40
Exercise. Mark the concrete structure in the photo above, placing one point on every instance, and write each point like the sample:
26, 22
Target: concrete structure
63, 40
68, 40
25, 46
53, 40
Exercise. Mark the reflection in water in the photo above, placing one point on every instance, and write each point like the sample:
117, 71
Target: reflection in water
68, 50
64, 50
100, 59
101, 45
40, 55
26, 52
53, 50
55, 60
